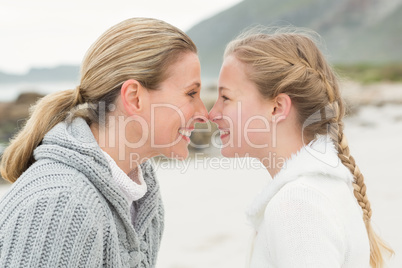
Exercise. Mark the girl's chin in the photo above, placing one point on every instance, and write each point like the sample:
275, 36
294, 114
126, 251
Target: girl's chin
229, 153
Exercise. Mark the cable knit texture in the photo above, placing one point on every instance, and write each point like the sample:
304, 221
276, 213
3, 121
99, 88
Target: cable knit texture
307, 216
66, 211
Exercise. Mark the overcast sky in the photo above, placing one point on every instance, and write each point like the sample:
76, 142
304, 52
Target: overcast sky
45, 33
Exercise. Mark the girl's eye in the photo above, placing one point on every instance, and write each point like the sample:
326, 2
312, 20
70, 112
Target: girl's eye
192, 93
224, 98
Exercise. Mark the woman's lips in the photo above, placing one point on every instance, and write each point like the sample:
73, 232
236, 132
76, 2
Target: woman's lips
224, 133
186, 133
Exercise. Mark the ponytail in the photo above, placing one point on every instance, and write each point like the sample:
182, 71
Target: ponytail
44, 115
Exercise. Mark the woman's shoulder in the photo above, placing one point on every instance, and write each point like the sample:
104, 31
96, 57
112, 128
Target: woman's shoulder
48, 175
52, 184
47, 211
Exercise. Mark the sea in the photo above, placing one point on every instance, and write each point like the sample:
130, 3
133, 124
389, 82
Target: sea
10, 91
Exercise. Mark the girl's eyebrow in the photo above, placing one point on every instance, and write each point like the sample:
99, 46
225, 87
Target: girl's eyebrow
223, 88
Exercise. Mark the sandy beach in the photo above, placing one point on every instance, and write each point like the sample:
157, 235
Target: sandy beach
205, 199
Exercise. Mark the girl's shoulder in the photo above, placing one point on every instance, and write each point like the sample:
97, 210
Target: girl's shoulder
319, 189
326, 185
313, 198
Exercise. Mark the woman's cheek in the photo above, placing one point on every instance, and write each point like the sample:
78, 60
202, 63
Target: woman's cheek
184, 112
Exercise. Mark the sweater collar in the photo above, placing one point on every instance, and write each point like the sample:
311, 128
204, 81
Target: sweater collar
320, 157
132, 191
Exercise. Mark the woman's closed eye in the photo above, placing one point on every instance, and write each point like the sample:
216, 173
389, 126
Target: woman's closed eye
192, 93
225, 98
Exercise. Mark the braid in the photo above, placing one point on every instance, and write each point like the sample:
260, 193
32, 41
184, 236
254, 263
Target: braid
359, 187
330, 92
358, 183
335, 131
331, 117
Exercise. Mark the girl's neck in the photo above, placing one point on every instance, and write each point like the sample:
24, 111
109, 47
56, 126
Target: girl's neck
275, 158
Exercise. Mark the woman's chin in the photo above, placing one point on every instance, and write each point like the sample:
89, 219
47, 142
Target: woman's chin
178, 154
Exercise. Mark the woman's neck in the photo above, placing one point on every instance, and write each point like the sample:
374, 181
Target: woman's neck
119, 148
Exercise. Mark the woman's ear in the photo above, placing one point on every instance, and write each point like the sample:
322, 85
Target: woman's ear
282, 105
132, 94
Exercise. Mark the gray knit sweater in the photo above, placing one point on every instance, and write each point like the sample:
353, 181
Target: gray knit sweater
66, 211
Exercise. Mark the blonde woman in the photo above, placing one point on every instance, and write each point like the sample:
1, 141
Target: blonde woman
279, 101
83, 193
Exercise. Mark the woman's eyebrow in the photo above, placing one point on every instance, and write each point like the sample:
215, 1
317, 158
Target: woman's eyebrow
196, 84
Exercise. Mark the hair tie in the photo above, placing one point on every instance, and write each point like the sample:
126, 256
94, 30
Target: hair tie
78, 97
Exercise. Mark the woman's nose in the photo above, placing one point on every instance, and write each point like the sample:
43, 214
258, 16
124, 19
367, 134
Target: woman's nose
213, 113
201, 115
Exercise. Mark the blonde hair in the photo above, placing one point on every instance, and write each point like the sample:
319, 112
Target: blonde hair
291, 63
138, 48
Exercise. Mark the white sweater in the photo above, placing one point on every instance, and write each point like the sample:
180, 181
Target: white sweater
308, 216
132, 190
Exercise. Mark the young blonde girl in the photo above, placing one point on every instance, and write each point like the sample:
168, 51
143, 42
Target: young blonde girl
315, 212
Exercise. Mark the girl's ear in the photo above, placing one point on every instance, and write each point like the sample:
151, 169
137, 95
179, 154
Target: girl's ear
132, 94
282, 105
